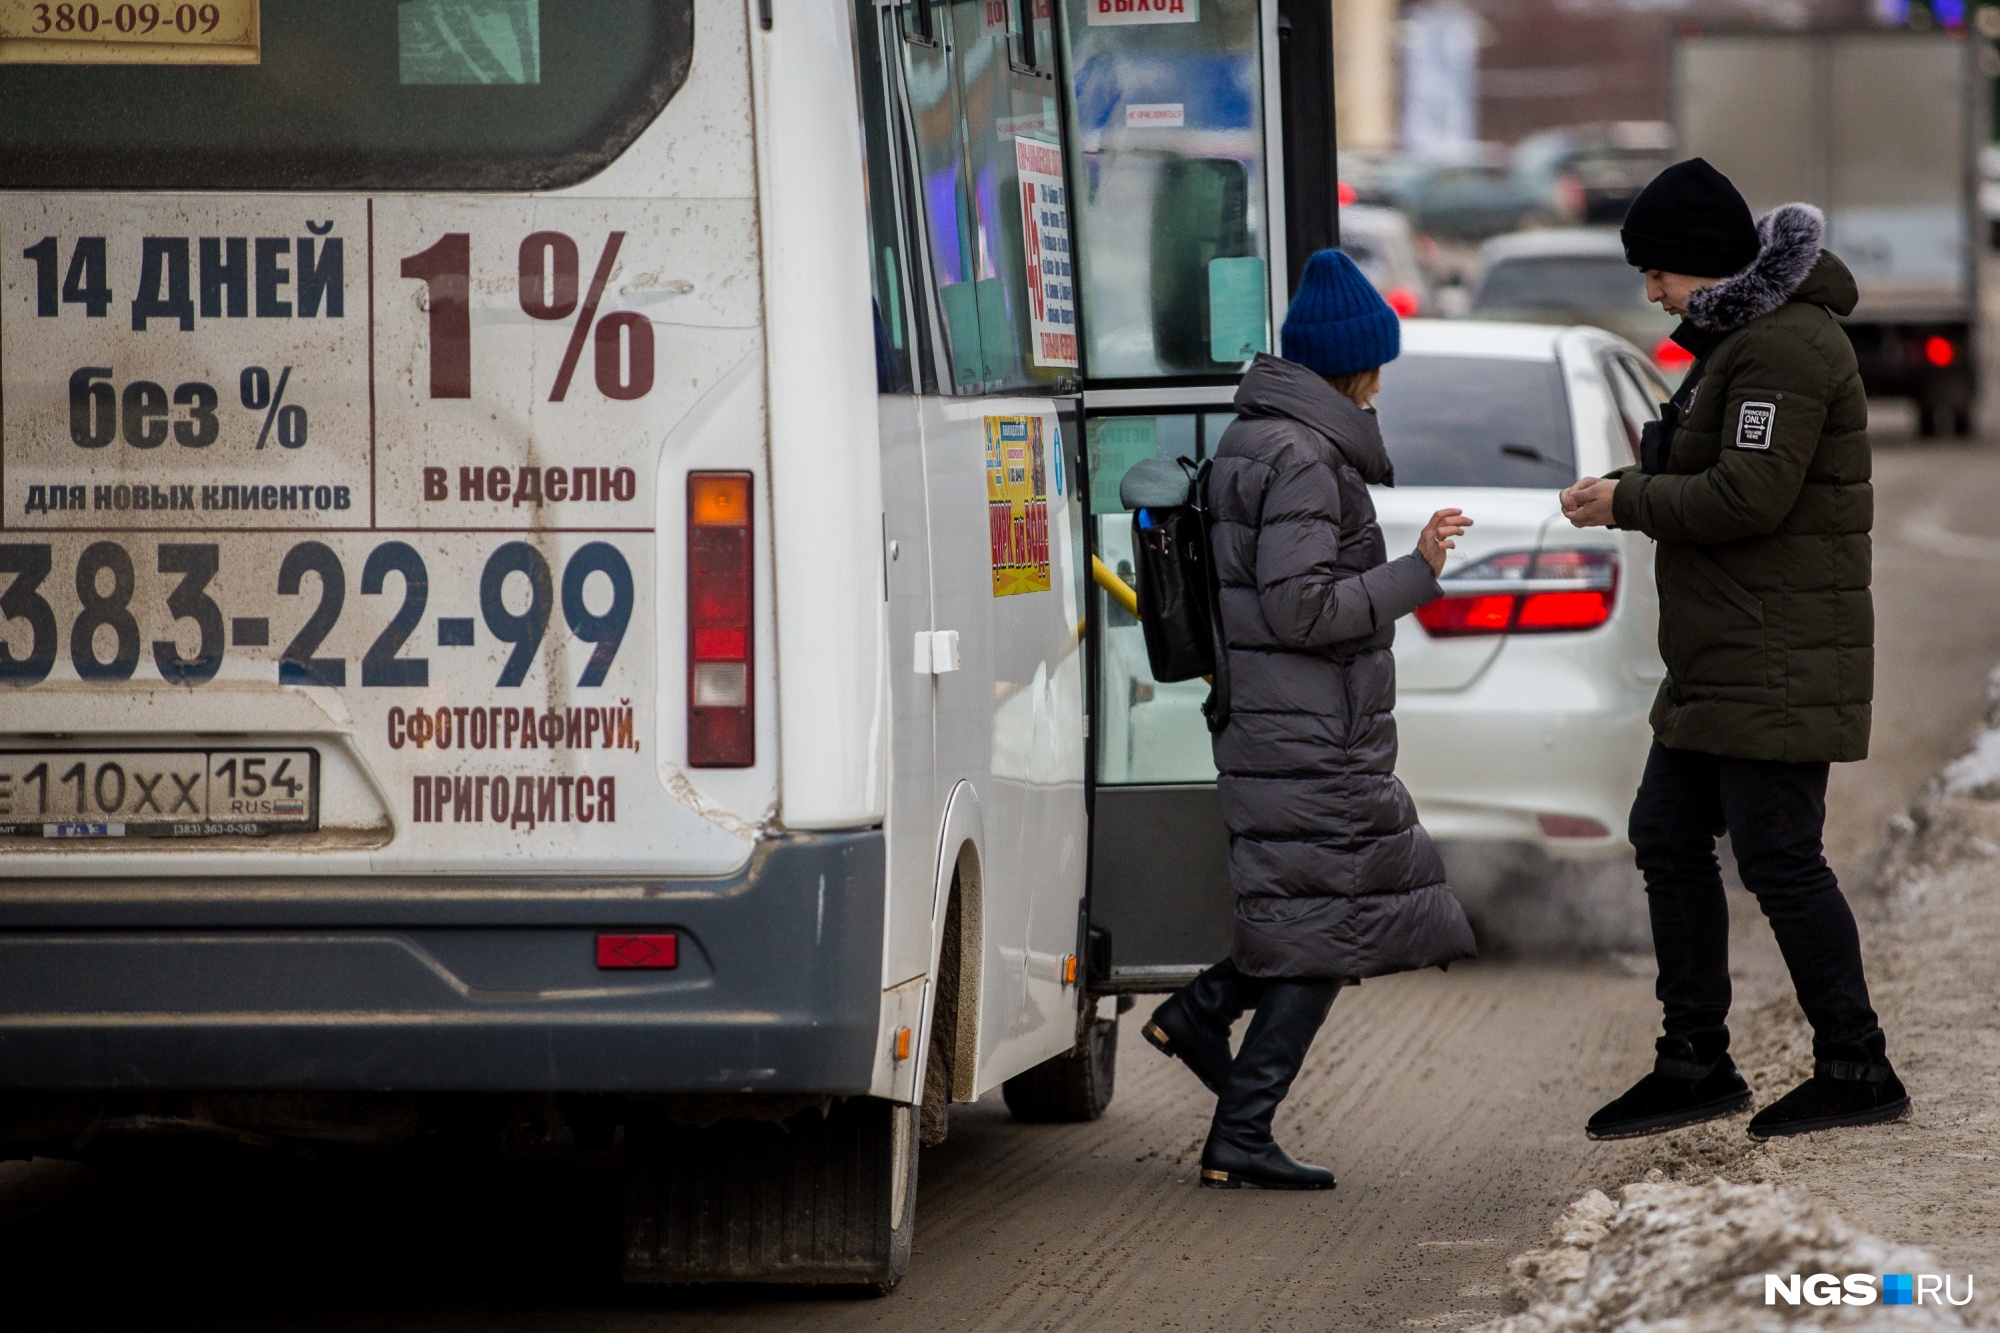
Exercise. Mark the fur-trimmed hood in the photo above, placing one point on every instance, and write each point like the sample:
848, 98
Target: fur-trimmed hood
1789, 265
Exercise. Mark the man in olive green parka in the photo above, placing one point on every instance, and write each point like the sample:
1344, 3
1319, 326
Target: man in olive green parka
1755, 485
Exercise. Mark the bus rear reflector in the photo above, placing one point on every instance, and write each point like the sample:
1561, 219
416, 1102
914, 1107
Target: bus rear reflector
722, 727
638, 951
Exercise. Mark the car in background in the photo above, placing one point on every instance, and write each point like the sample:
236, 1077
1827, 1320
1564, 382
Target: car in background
1575, 275
1383, 246
1523, 693
1483, 193
1609, 162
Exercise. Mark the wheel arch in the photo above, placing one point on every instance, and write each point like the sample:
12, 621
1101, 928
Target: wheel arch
951, 1010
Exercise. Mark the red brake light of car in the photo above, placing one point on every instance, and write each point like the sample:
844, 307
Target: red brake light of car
1670, 355
1345, 193
721, 719
1454, 617
1570, 195
1571, 826
1526, 592
1401, 300
1939, 351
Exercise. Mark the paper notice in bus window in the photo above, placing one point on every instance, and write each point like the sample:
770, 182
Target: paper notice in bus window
1017, 504
118, 32
470, 41
1045, 244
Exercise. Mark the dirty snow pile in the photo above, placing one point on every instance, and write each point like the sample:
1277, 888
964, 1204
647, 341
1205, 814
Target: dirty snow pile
1692, 1258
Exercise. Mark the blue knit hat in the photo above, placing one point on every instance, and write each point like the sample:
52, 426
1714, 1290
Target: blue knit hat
1338, 323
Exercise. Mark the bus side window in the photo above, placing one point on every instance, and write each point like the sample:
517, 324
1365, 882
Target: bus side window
892, 278
1010, 117
940, 186
974, 115
1031, 31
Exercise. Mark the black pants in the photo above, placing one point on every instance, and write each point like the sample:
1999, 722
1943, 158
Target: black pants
1775, 815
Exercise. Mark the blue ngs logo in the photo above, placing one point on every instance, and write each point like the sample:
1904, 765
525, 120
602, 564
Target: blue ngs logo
1861, 1289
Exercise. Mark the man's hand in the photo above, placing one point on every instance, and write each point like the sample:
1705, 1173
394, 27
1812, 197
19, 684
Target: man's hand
1588, 503
1436, 537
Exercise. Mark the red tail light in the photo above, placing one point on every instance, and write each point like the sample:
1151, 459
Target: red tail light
1939, 351
722, 724
1402, 300
1670, 355
1345, 193
1526, 592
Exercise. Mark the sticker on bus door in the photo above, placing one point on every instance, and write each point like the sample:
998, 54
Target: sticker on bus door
1017, 504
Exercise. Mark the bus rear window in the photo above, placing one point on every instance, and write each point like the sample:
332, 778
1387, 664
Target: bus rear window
362, 94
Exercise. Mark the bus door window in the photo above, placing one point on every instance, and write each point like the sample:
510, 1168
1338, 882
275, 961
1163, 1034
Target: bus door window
1151, 733
1170, 220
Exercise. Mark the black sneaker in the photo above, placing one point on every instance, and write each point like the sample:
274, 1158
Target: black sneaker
1680, 1091
1840, 1092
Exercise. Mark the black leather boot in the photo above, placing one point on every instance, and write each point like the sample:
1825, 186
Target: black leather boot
1851, 1085
1192, 1025
1693, 1080
1240, 1150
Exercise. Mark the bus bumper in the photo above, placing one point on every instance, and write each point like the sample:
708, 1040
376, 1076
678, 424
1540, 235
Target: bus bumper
453, 984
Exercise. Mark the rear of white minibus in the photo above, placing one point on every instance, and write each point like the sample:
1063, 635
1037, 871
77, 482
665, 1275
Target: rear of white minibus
440, 567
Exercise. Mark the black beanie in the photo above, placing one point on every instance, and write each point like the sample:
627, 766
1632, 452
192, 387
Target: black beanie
1690, 220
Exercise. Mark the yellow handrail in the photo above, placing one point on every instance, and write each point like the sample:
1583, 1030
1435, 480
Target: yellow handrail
1121, 592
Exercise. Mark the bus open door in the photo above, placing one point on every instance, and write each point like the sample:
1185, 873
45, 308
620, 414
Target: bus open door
1186, 149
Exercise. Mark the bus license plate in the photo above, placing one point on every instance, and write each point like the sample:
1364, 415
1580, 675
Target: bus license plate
157, 793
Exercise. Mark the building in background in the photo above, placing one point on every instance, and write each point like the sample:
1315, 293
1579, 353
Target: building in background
1542, 64
1440, 43
1364, 80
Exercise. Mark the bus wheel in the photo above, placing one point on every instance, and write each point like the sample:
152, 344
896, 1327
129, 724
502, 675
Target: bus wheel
827, 1197
1075, 1085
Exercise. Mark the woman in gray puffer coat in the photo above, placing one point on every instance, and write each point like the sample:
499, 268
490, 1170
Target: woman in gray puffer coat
1335, 879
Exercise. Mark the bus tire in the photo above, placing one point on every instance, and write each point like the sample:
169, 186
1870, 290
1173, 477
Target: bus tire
825, 1197
1071, 1087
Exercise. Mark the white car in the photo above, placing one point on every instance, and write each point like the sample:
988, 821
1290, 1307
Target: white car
1522, 695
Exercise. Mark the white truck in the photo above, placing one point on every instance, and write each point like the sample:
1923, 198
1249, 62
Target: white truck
1880, 129
544, 560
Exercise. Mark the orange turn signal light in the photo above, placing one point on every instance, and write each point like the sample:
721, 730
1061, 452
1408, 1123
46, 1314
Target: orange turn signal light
902, 1044
1069, 969
719, 499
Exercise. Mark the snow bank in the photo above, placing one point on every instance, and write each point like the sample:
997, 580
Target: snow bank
1692, 1258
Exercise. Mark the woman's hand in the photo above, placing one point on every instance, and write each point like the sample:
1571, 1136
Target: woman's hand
1436, 538
1588, 503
